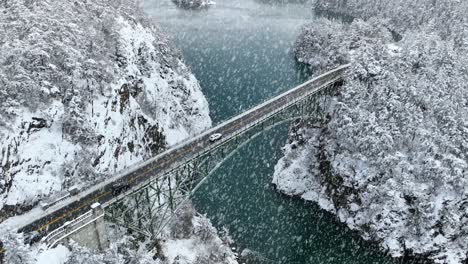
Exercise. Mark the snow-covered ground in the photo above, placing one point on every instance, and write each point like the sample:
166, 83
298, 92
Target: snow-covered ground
392, 160
203, 246
296, 173
189, 239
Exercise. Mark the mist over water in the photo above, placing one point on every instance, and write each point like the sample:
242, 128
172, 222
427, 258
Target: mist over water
241, 52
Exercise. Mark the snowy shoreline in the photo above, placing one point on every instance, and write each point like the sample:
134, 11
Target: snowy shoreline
95, 87
395, 143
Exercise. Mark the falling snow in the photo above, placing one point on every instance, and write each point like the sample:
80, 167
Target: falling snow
90, 88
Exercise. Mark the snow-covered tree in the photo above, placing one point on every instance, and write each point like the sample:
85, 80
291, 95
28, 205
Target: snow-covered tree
392, 159
87, 88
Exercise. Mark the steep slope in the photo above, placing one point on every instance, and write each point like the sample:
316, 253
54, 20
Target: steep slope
87, 89
391, 161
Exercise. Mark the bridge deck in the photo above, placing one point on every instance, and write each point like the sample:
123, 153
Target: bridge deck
136, 175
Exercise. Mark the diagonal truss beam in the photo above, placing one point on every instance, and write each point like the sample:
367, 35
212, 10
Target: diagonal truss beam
149, 208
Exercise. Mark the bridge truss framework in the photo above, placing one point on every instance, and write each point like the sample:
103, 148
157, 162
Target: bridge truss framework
147, 208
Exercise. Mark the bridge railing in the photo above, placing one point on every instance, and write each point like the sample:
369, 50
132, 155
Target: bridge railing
51, 236
323, 88
71, 227
321, 91
326, 77
329, 80
315, 85
248, 126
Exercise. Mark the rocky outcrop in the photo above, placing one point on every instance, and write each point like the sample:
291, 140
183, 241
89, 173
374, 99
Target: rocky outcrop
193, 4
189, 238
87, 89
391, 159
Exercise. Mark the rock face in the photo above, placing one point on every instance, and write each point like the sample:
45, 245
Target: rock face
391, 160
87, 89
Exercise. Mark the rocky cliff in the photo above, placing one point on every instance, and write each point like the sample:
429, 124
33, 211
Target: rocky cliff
87, 89
391, 158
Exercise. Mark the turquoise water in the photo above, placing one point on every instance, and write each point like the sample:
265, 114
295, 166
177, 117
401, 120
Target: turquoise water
241, 53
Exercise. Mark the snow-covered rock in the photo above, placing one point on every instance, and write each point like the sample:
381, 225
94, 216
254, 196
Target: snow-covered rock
296, 173
200, 245
193, 4
87, 88
392, 159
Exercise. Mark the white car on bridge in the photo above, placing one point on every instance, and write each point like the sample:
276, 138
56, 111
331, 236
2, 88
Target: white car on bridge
216, 137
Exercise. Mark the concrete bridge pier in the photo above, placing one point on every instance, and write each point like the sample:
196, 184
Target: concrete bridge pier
93, 234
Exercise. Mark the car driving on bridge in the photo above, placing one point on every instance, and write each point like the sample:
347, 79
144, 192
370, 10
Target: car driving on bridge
153, 172
216, 137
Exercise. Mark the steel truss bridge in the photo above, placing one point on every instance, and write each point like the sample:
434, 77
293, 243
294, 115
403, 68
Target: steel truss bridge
143, 198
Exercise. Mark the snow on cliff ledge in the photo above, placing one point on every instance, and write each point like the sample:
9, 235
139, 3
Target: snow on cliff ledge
87, 88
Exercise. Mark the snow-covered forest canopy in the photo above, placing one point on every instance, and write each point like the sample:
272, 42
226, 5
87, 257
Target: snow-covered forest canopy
391, 160
87, 89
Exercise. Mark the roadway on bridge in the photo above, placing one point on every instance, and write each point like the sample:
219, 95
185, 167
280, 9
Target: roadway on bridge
104, 192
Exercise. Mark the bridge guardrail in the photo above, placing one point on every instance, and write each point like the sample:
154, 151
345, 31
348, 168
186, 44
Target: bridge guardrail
317, 82
250, 125
53, 234
252, 121
71, 227
333, 79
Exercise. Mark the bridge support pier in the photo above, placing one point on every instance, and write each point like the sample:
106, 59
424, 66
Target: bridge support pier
92, 235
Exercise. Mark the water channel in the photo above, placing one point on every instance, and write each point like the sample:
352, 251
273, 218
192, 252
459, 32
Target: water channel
240, 51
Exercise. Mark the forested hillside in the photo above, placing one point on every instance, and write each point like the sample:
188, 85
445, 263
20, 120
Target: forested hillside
391, 160
87, 89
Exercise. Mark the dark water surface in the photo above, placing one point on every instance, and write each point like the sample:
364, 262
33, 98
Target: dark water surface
240, 52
